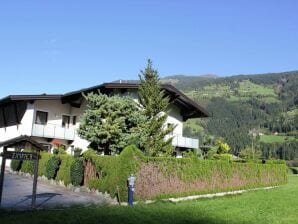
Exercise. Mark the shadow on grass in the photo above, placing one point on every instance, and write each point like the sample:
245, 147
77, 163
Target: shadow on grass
294, 170
162, 214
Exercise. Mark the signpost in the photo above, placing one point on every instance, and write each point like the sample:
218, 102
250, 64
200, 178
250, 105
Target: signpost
20, 155
14, 155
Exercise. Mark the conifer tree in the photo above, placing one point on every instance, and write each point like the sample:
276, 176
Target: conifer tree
155, 105
111, 123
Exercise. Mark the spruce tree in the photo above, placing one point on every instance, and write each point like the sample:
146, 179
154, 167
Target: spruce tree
110, 123
155, 105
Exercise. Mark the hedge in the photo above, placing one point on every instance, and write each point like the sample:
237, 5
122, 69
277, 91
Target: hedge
77, 172
52, 167
28, 166
15, 165
169, 177
44, 157
63, 173
114, 170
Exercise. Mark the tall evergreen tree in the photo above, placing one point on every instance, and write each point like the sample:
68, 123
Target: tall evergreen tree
155, 105
111, 123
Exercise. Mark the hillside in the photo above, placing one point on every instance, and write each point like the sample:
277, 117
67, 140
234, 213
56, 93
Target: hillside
265, 103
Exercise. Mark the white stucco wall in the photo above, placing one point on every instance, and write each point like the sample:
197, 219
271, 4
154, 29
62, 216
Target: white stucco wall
24, 128
54, 108
174, 117
55, 111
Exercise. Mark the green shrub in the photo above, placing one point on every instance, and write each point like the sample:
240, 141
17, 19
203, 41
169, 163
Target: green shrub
16, 165
52, 167
77, 172
213, 175
28, 166
77, 152
59, 150
63, 173
42, 163
114, 170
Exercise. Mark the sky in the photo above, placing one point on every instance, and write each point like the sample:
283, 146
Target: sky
56, 46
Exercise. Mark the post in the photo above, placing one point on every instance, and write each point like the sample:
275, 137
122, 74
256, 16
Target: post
2, 173
131, 182
33, 205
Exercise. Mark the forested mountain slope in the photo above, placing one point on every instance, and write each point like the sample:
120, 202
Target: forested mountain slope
246, 109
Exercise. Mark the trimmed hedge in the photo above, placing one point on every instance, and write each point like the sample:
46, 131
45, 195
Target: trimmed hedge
52, 167
57, 167
28, 166
16, 165
77, 172
42, 164
63, 173
166, 177
114, 170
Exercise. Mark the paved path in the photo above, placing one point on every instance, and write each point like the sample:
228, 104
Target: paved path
17, 194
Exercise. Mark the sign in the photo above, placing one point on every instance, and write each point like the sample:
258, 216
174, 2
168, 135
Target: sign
20, 155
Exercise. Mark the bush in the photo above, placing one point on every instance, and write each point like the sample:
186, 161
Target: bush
114, 170
77, 152
16, 165
28, 166
63, 173
77, 172
52, 167
170, 177
59, 150
42, 164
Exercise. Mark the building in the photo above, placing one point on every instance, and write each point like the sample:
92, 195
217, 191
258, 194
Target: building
53, 119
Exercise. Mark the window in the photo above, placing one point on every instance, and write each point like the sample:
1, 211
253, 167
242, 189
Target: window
41, 117
169, 125
65, 121
74, 120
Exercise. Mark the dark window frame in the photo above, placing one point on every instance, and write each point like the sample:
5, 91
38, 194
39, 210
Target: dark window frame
43, 113
74, 120
65, 123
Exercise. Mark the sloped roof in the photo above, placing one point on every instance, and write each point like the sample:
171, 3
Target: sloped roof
189, 108
21, 140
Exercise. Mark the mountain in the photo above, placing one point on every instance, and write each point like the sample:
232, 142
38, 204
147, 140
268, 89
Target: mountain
267, 103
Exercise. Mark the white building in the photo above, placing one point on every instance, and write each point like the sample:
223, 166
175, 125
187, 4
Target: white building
51, 119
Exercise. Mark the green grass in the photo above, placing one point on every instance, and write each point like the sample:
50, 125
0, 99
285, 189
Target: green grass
246, 91
253, 89
276, 138
275, 206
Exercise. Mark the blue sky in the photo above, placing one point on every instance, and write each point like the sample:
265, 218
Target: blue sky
55, 46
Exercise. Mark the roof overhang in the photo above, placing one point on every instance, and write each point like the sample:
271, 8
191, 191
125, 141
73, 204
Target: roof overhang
189, 108
15, 98
22, 140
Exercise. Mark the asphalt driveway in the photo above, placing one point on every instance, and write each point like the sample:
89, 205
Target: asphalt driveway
17, 194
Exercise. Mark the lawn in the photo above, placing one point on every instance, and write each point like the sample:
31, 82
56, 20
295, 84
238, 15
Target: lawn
276, 138
279, 205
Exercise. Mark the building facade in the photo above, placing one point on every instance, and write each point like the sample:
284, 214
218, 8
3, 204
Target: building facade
54, 119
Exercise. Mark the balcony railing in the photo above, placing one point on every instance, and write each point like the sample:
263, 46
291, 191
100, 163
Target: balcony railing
184, 142
53, 131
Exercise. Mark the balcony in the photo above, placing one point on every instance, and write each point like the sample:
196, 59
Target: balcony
53, 131
184, 142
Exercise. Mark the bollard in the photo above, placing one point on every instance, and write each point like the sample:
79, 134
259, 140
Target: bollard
131, 184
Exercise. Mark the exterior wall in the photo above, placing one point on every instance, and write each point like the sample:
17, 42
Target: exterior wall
22, 129
55, 111
176, 119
